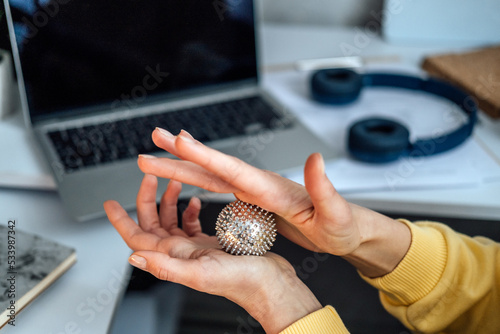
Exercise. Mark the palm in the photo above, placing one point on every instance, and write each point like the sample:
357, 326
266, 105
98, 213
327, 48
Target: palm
210, 263
205, 265
299, 220
266, 286
200, 255
183, 247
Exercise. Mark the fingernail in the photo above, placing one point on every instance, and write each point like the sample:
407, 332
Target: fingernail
186, 136
322, 164
147, 156
164, 132
137, 261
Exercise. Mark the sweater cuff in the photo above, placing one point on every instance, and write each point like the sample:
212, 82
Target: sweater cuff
324, 321
419, 271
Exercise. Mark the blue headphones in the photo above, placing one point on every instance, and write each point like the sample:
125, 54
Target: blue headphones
379, 140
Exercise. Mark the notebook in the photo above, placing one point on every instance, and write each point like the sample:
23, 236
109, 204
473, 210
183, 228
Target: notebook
30, 265
475, 71
96, 77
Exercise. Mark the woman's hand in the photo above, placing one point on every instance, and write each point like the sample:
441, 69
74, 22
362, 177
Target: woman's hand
315, 216
266, 286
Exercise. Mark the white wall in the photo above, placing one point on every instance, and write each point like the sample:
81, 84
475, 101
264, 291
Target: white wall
319, 12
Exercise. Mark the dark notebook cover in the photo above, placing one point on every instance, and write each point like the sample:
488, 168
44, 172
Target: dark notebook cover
29, 264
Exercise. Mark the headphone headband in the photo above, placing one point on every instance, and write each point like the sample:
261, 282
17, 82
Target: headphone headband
342, 86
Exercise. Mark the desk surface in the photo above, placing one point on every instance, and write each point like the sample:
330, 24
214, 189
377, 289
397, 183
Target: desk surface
85, 297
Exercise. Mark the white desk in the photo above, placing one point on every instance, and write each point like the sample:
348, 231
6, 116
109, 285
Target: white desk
84, 299
283, 45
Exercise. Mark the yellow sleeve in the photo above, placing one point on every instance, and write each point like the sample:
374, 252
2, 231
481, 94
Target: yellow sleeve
324, 321
447, 282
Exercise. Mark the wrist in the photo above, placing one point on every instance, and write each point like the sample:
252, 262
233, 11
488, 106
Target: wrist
384, 243
282, 303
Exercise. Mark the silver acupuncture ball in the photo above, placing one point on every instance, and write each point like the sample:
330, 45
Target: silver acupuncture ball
245, 229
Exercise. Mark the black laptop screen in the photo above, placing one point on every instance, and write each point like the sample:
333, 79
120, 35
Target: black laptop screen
80, 54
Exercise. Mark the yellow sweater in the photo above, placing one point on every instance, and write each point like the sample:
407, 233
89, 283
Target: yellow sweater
447, 283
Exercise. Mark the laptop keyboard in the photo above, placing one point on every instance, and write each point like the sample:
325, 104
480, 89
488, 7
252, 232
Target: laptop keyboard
124, 139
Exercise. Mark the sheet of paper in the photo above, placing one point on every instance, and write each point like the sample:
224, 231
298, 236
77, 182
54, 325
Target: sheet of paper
424, 114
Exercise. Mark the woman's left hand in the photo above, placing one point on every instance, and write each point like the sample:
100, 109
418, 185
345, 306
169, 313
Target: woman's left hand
265, 286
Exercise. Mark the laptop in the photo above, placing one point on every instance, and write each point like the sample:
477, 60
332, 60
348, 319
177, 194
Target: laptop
96, 77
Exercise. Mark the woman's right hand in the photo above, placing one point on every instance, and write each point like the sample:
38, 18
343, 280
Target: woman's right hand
315, 216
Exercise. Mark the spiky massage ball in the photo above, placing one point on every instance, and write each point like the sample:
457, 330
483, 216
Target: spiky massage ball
245, 229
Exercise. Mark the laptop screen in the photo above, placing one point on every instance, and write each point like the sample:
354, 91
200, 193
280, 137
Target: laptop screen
83, 55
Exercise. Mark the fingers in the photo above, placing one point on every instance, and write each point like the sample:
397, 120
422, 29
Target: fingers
164, 267
164, 139
184, 172
168, 209
217, 169
120, 220
147, 212
228, 168
131, 233
190, 218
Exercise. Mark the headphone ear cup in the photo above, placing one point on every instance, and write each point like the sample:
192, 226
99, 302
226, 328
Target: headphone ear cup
378, 140
336, 86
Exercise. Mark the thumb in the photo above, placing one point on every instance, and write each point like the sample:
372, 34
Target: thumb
326, 200
165, 267
334, 225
